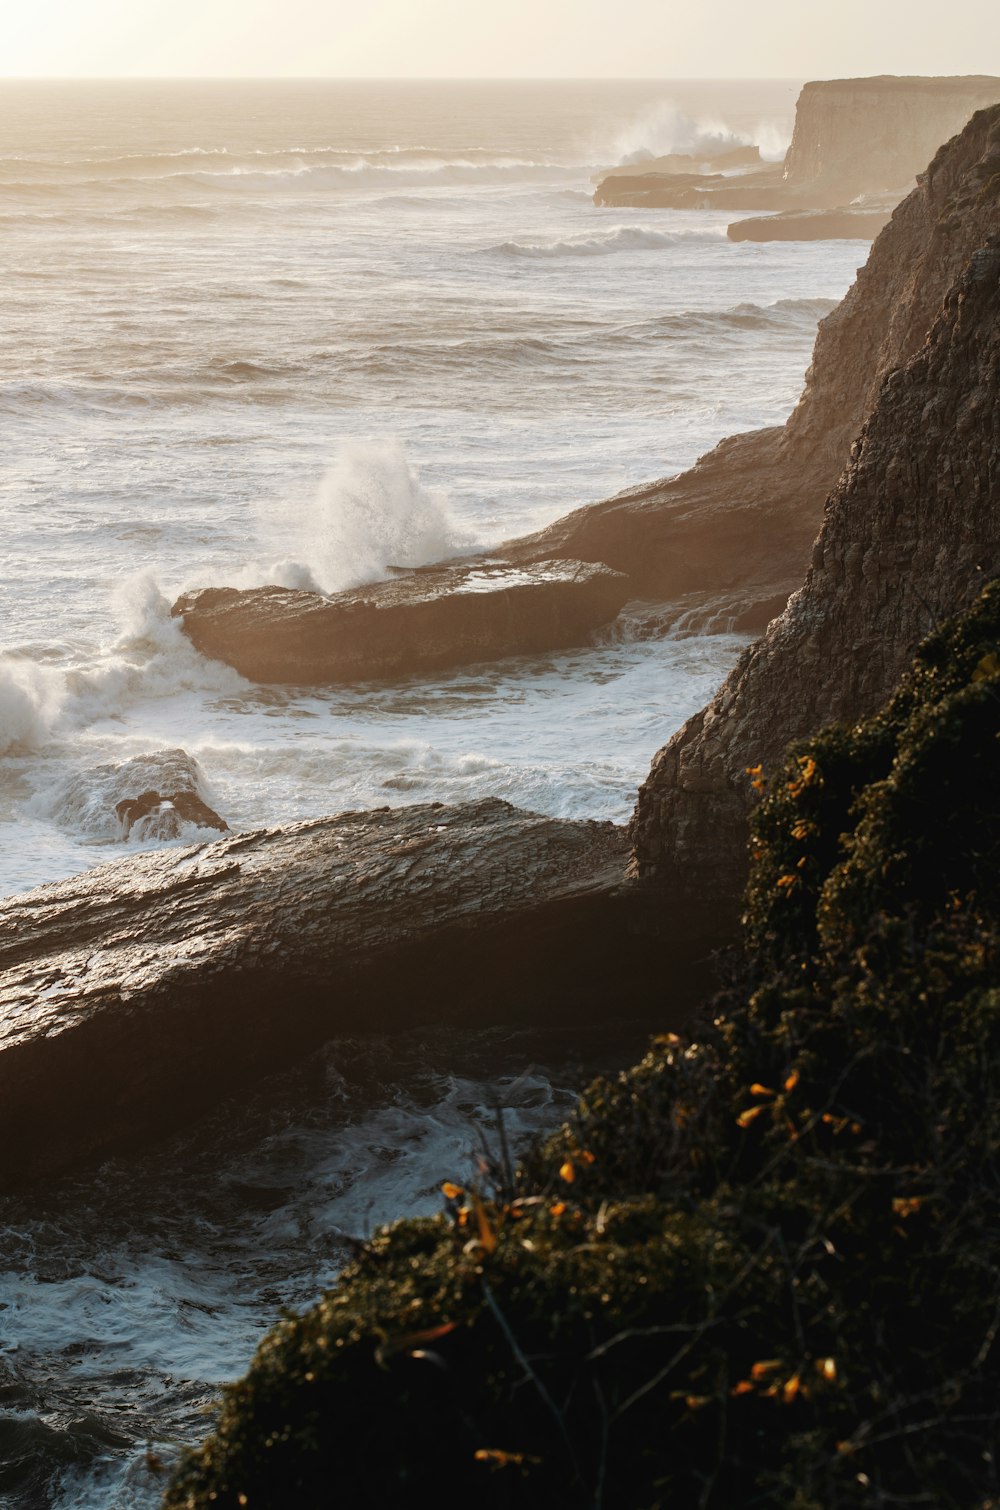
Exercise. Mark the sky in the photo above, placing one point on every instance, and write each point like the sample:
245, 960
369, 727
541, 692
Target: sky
510, 39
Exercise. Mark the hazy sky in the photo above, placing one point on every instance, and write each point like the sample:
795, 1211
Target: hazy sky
508, 38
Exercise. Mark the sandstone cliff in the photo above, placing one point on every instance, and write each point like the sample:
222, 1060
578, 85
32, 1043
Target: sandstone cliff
910, 535
866, 136
737, 529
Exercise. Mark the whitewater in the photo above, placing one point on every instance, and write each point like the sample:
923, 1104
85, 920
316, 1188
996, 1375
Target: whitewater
296, 333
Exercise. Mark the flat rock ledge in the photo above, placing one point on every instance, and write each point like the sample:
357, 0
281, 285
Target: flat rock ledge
845, 224
420, 620
136, 996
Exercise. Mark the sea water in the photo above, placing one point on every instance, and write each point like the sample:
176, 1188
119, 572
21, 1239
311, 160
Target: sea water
299, 332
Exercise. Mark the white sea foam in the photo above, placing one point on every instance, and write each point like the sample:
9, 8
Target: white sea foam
369, 513
85, 801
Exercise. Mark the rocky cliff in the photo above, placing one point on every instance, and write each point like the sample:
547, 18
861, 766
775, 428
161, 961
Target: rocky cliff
911, 533
736, 530
866, 136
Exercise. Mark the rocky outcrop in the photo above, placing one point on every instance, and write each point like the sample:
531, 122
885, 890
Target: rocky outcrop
137, 995
852, 138
868, 136
421, 620
848, 224
911, 534
734, 533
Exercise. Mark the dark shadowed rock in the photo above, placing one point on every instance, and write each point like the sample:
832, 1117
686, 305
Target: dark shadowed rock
422, 620
911, 534
137, 995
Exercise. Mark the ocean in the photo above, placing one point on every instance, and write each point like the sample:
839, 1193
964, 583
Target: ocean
294, 332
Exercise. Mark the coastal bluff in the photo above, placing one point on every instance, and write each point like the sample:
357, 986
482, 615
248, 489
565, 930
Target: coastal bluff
911, 535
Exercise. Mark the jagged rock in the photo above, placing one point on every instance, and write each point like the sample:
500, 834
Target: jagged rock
848, 223
137, 995
423, 620
146, 797
911, 534
686, 162
161, 816
737, 529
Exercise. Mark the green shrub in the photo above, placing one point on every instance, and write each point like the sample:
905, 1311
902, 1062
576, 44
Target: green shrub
760, 1268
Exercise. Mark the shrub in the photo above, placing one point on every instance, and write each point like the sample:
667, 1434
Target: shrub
760, 1268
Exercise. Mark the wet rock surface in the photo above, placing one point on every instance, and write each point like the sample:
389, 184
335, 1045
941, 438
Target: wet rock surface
138, 995
421, 620
150, 796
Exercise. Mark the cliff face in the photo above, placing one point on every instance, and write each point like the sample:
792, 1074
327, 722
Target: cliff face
911, 533
737, 529
857, 136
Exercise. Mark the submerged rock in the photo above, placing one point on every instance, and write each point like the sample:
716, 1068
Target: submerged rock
150, 796
423, 620
159, 816
137, 995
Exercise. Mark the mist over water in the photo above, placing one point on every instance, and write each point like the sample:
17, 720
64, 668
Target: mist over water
303, 333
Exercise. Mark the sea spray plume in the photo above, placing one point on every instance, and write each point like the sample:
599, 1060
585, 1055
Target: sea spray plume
30, 698
663, 129
370, 512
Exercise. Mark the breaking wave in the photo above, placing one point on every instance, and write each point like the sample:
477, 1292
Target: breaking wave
663, 129
619, 238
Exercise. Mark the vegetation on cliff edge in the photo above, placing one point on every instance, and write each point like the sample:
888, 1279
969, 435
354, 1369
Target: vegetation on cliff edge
760, 1268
